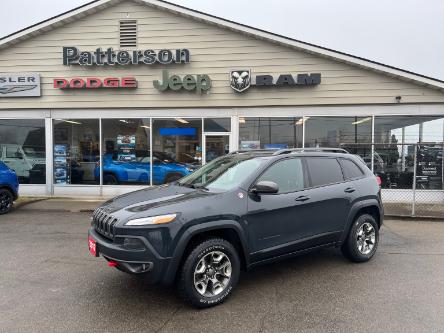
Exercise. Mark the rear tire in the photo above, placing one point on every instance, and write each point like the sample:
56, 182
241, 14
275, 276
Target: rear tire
172, 177
6, 201
362, 240
209, 274
109, 179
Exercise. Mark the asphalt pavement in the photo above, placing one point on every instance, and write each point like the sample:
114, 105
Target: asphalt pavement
49, 283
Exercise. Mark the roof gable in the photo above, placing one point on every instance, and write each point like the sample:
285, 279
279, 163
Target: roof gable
98, 5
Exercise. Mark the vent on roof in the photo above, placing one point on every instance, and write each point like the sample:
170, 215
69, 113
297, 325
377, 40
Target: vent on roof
128, 33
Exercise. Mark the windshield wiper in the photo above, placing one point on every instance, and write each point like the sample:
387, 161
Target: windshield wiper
199, 186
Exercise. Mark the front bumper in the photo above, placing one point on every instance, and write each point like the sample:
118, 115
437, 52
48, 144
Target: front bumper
144, 260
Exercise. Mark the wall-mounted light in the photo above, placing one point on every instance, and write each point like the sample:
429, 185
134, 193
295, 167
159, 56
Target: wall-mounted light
70, 121
241, 120
362, 121
302, 120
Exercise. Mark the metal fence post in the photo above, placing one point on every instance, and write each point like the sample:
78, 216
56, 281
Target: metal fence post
414, 179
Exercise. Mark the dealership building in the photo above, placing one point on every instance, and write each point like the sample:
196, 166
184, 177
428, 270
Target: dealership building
116, 95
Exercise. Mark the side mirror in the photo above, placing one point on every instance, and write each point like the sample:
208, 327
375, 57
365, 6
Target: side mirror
265, 187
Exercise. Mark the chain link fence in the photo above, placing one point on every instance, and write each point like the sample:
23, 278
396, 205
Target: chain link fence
411, 175
412, 178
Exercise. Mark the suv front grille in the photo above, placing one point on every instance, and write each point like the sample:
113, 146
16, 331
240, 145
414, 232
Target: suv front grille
104, 223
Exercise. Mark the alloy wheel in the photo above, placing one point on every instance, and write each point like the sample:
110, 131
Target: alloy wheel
212, 274
5, 202
366, 238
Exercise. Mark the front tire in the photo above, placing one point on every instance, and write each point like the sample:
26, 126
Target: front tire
362, 240
6, 200
209, 274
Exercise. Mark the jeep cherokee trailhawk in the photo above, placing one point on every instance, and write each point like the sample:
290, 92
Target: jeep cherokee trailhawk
239, 211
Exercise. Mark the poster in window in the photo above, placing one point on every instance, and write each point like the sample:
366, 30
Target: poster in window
249, 145
61, 175
126, 148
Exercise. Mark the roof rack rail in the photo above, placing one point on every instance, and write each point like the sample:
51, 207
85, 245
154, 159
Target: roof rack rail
252, 151
317, 149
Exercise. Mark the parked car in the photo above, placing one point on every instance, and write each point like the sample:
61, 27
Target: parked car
165, 169
239, 211
9, 186
21, 159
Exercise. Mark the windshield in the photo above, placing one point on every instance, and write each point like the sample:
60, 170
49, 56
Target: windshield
33, 153
224, 173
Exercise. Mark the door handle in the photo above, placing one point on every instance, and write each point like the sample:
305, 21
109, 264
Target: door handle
350, 189
302, 198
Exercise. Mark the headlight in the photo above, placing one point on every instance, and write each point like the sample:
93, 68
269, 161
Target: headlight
160, 219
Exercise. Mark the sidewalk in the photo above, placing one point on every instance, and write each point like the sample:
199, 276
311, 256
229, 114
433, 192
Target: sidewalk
74, 205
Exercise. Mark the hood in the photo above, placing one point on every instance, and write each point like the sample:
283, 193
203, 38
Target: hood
150, 198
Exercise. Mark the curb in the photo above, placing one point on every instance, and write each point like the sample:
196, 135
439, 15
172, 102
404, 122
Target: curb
19, 204
414, 218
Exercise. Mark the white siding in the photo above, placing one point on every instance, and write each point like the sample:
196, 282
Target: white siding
214, 51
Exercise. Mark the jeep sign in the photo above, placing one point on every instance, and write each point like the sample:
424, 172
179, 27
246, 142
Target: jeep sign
19, 85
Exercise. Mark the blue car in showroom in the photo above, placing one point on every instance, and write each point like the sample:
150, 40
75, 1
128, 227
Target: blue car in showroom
9, 186
165, 169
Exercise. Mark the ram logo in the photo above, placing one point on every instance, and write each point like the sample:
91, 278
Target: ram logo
240, 80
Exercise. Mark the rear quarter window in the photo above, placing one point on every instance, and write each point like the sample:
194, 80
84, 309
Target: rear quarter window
350, 169
324, 171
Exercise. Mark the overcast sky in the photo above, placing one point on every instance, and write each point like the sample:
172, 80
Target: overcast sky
403, 33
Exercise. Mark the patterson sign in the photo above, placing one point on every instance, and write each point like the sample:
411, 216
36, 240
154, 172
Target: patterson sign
19, 85
73, 56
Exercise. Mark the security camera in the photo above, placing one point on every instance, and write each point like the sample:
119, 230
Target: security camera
398, 99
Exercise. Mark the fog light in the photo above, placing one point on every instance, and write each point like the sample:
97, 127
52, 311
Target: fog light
133, 244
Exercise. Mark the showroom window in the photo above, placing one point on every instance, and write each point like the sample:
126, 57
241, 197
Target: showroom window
270, 133
177, 148
126, 151
337, 131
396, 140
217, 124
76, 151
354, 134
22, 148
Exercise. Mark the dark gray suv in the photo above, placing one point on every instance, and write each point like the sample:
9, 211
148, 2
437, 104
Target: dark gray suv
239, 211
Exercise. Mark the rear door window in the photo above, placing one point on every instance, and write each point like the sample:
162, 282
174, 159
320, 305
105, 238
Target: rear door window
350, 169
324, 171
288, 174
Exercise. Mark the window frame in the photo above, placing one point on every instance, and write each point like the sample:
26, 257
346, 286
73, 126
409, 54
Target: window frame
342, 168
323, 185
304, 172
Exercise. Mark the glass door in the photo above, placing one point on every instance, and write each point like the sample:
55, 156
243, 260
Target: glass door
215, 145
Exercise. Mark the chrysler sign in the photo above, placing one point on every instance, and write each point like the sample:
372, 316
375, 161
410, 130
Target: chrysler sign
19, 85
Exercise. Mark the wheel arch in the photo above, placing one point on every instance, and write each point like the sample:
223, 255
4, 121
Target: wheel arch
371, 207
10, 189
228, 230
